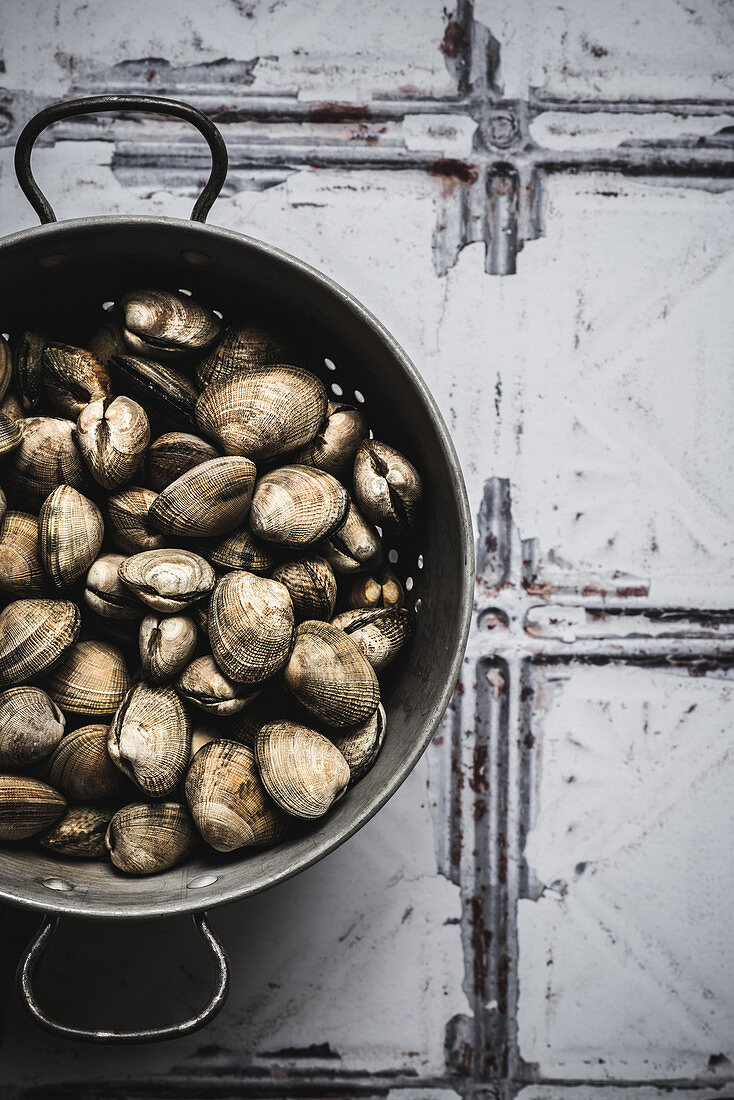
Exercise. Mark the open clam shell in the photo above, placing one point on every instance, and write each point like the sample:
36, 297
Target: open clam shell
80, 833
21, 571
387, 486
80, 765
335, 444
47, 457
380, 633
240, 350
145, 838
167, 644
112, 434
360, 747
34, 634
312, 587
250, 626
353, 546
379, 589
330, 677
204, 685
168, 580
128, 514
301, 769
159, 388
297, 506
70, 534
240, 550
91, 678
150, 739
31, 726
210, 499
172, 454
174, 324
27, 806
72, 377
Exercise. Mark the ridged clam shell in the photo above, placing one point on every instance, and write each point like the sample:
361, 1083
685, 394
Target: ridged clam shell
80, 765
328, 676
380, 589
250, 626
205, 686
360, 747
11, 434
72, 377
70, 534
380, 633
240, 550
6, 366
173, 323
159, 388
80, 833
91, 678
301, 769
34, 634
312, 587
335, 444
240, 349
31, 726
47, 457
106, 340
112, 435
387, 486
172, 454
266, 412
168, 580
145, 838
353, 546
150, 739
105, 593
11, 406
21, 571
27, 806
167, 644
211, 499
228, 801
28, 369
297, 506
128, 518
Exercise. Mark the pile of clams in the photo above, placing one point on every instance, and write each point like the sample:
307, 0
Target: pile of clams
196, 605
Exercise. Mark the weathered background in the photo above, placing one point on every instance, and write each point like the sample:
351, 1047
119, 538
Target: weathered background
536, 199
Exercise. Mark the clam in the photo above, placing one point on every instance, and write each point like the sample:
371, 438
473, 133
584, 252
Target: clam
328, 676
228, 801
31, 726
205, 686
267, 412
297, 506
105, 593
145, 838
211, 499
27, 806
28, 368
21, 571
91, 678
150, 739
250, 626
240, 349
360, 747
11, 433
6, 366
173, 324
312, 587
353, 546
335, 444
240, 550
380, 633
387, 486
168, 580
174, 453
70, 534
80, 765
3, 505
164, 390
302, 771
47, 457
106, 341
112, 435
167, 644
72, 377
202, 735
34, 634
380, 589
128, 516
11, 406
80, 833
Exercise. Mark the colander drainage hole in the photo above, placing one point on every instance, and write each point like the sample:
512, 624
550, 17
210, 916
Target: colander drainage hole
393, 556
201, 881
408, 583
336, 389
56, 884
359, 396
329, 364
107, 306
183, 290
418, 605
420, 561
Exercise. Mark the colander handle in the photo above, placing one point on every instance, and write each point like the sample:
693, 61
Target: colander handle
29, 960
146, 103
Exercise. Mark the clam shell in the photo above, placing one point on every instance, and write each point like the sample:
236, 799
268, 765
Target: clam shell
47, 457
11, 433
228, 802
106, 341
266, 412
380, 589
70, 534
21, 571
72, 377
297, 506
34, 634
11, 406
150, 739
28, 369
105, 593
328, 676
240, 349
80, 765
202, 735
353, 546
112, 435
250, 626
145, 838
360, 747
387, 486
312, 587
380, 633
6, 366
164, 390
128, 518
206, 687
301, 769
335, 444
240, 550
211, 499
31, 726
174, 453
91, 678
168, 580
167, 644
80, 833
27, 806
3, 505
173, 323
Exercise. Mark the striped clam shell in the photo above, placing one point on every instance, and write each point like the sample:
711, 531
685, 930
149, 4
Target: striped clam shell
328, 676
241, 348
27, 806
34, 634
31, 726
21, 571
80, 765
301, 769
80, 833
250, 626
150, 738
11, 433
360, 747
112, 435
91, 678
175, 324
172, 454
312, 587
146, 838
297, 506
47, 457
380, 632
72, 377
211, 499
128, 515
70, 534
240, 550
168, 580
